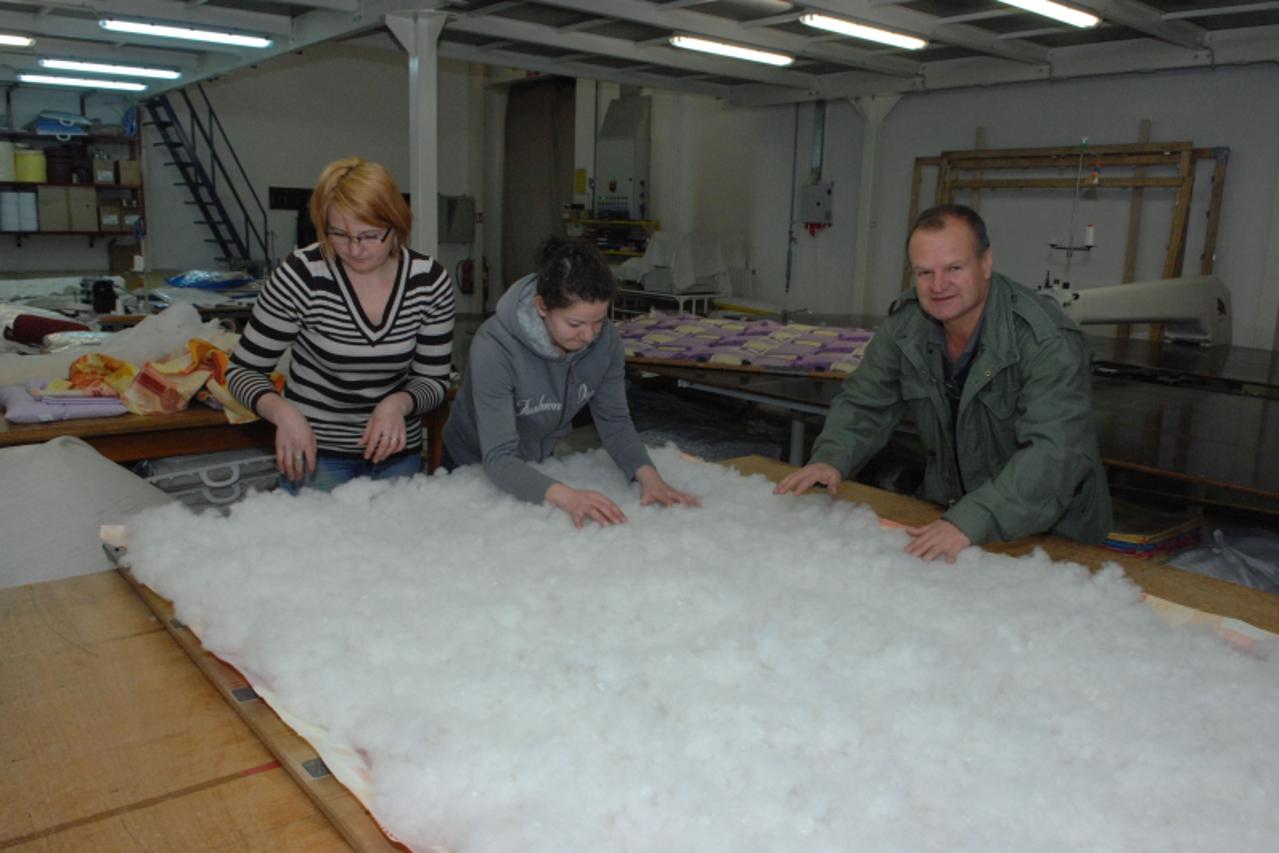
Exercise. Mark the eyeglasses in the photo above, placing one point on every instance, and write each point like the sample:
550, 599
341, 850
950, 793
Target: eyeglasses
344, 239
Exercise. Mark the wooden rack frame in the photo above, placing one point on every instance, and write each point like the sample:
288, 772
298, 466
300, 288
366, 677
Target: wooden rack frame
968, 170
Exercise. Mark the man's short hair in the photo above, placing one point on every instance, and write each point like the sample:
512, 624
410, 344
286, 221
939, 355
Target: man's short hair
934, 219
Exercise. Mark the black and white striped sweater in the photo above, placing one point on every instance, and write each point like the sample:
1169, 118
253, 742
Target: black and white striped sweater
342, 364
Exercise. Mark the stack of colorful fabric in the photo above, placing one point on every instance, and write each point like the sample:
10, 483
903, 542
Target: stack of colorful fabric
753, 343
1152, 534
100, 385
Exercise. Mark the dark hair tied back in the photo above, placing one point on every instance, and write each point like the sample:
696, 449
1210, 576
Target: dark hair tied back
569, 271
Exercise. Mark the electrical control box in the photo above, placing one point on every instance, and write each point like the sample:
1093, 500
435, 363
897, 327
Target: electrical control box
457, 219
815, 203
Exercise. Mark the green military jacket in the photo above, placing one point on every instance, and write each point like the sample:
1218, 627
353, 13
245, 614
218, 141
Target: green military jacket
1026, 460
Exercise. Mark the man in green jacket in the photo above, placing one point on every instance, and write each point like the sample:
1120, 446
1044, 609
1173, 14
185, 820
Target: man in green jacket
996, 380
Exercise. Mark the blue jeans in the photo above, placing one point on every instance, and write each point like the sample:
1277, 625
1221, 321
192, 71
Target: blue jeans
332, 471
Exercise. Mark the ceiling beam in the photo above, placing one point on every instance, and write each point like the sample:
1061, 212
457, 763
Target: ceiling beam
87, 29
58, 48
585, 71
1214, 11
1243, 46
168, 11
1149, 20
335, 5
714, 27
521, 31
933, 28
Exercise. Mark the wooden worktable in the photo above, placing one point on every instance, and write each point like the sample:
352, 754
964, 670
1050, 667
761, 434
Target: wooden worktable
111, 738
128, 438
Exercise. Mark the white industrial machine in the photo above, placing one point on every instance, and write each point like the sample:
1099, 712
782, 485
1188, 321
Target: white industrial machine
678, 262
622, 159
1191, 309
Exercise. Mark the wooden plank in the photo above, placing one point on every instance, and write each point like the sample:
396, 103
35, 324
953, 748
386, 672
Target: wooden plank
1163, 160
1170, 182
1202, 593
110, 740
347, 815
1208, 257
1175, 260
1134, 226
1067, 152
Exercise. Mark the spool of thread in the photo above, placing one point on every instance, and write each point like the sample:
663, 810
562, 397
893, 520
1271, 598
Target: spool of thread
8, 210
8, 172
30, 166
28, 219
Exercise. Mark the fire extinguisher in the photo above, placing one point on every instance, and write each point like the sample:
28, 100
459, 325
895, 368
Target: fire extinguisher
465, 275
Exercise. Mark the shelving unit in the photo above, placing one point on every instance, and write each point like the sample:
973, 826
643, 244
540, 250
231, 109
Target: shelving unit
126, 199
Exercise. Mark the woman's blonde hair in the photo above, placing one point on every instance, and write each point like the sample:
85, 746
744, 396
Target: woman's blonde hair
365, 191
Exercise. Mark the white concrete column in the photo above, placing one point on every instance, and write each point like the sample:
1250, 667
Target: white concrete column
874, 109
584, 138
495, 99
476, 139
419, 33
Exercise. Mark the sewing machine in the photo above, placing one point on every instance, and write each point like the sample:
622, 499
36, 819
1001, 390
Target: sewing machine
1191, 309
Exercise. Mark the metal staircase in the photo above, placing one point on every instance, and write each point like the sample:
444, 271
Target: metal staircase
225, 198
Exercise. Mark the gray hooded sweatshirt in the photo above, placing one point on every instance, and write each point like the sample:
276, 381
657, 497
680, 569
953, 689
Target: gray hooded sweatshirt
520, 394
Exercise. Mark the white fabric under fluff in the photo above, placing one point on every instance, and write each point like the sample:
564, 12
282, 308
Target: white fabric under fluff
762, 673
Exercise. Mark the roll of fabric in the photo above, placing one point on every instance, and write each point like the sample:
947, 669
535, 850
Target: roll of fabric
30, 328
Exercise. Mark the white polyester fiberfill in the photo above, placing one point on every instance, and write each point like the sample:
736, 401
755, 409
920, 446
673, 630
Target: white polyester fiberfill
763, 673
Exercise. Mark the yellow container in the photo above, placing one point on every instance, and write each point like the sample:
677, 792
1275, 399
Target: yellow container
30, 166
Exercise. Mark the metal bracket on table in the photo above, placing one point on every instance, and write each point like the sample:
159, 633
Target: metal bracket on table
796, 454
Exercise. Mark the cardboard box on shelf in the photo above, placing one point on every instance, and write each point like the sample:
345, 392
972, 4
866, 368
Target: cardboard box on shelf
82, 204
109, 218
51, 208
128, 173
104, 171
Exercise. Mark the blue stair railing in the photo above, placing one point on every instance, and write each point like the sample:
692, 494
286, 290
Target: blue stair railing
201, 150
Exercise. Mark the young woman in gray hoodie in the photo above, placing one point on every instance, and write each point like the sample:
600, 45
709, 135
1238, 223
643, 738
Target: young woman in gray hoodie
548, 352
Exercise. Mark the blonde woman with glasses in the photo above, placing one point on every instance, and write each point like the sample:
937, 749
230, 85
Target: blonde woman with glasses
369, 326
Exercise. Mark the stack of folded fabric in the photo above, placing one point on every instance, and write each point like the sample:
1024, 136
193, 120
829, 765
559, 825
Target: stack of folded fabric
1153, 534
34, 403
753, 343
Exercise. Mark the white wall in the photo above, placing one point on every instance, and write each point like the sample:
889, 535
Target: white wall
290, 117
728, 170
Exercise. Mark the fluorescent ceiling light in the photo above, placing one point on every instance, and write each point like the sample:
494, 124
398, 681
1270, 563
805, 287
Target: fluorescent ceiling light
1056, 11
102, 68
720, 48
11, 40
166, 31
861, 31
82, 82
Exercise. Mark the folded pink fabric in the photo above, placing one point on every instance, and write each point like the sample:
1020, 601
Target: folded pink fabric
22, 408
